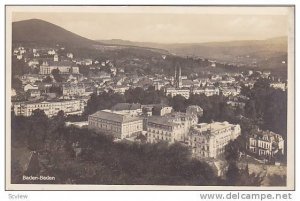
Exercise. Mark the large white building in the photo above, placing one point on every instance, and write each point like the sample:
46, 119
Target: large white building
265, 143
117, 124
64, 67
50, 108
209, 140
178, 91
170, 127
207, 91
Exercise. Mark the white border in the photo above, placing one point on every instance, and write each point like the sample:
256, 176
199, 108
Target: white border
86, 195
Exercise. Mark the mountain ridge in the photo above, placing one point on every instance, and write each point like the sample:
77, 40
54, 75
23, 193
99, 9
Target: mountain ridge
40, 31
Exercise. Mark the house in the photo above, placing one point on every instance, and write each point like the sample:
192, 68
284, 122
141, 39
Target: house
216, 77
230, 91
33, 63
265, 144
55, 57
70, 55
51, 52
19, 56
36, 54
30, 86
237, 104
34, 93
73, 89
161, 110
278, 85
31, 78
120, 89
13, 92
88, 62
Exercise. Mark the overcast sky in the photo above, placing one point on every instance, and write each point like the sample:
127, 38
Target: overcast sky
162, 25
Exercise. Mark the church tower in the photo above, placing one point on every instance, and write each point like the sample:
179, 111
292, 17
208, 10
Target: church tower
177, 77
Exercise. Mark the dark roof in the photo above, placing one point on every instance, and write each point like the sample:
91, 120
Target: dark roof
187, 82
110, 116
60, 63
126, 106
167, 121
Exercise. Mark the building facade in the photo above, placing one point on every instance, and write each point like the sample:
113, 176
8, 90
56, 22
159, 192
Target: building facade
265, 144
209, 140
207, 91
73, 89
64, 68
50, 108
171, 128
119, 125
182, 92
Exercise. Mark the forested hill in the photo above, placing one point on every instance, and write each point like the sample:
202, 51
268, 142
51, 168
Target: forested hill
42, 32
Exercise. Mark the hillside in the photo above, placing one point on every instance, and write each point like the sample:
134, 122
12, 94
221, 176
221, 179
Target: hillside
233, 49
247, 52
41, 32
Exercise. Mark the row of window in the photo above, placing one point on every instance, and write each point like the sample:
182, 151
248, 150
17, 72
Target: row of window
159, 126
260, 144
159, 137
159, 132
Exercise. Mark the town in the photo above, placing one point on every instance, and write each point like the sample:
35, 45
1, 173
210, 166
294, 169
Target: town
55, 83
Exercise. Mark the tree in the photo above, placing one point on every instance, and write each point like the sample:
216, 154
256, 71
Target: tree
19, 67
57, 90
56, 75
38, 128
179, 103
47, 80
16, 84
236, 176
267, 107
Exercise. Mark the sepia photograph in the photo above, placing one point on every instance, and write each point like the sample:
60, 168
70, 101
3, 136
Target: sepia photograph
149, 97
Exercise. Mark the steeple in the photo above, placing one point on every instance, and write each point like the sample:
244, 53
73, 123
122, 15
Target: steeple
177, 77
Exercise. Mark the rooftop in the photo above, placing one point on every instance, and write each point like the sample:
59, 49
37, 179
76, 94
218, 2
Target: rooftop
126, 106
212, 127
58, 63
112, 116
162, 120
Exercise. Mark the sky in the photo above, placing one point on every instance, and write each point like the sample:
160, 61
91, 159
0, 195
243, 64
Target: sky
166, 24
